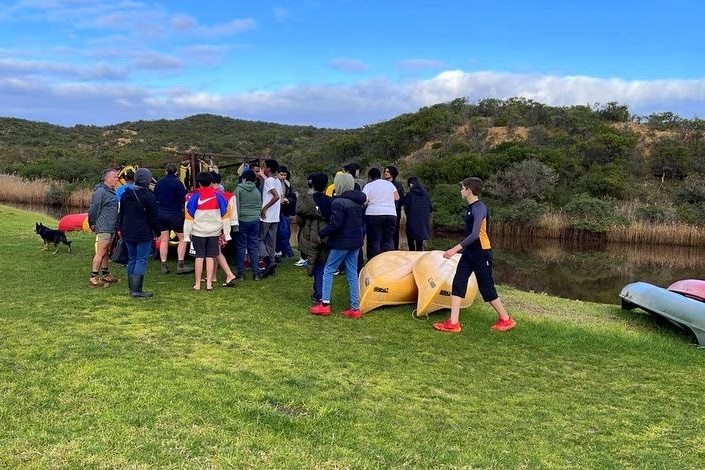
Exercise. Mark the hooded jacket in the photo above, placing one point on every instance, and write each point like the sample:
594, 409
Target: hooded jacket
312, 216
207, 214
418, 207
103, 211
249, 201
346, 229
138, 218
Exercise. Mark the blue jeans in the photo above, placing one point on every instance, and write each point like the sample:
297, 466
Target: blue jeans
138, 253
335, 258
247, 237
283, 236
318, 280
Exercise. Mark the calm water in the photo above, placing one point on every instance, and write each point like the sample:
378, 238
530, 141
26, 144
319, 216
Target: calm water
594, 274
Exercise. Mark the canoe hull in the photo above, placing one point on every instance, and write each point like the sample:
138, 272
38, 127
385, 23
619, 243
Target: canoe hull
693, 288
678, 309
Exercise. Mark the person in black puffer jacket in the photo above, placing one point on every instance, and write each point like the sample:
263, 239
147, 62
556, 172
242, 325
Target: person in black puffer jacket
138, 221
345, 235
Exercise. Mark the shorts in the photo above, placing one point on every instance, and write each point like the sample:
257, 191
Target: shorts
205, 247
104, 237
480, 263
171, 221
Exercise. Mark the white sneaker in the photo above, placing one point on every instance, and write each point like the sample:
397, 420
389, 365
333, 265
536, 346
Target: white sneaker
301, 263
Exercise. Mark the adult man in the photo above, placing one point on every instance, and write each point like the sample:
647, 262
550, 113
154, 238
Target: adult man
269, 215
390, 174
381, 214
171, 193
102, 219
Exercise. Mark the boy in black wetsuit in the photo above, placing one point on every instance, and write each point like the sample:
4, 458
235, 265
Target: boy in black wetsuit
475, 258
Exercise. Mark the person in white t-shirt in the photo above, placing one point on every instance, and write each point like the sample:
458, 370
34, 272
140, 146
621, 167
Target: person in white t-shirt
269, 217
380, 214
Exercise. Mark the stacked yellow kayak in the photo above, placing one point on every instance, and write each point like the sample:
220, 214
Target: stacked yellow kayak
404, 277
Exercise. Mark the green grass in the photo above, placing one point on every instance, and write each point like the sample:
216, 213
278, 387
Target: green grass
244, 377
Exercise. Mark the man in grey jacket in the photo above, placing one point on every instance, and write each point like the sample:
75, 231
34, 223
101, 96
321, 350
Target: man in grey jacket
102, 219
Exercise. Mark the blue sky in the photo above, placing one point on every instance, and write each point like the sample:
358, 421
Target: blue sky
341, 63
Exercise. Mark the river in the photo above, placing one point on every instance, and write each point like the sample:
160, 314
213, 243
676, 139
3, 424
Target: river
595, 274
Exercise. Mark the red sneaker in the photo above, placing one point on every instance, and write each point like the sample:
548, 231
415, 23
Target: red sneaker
320, 309
504, 325
448, 326
352, 313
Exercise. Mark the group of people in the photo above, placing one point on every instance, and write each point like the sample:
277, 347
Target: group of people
333, 219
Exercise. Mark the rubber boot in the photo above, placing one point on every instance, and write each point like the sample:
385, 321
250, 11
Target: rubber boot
135, 282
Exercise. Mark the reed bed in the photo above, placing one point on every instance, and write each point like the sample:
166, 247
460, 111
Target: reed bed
555, 226
20, 190
80, 198
658, 234
14, 189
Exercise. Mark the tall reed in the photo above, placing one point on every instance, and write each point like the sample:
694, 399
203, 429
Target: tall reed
80, 198
19, 190
555, 226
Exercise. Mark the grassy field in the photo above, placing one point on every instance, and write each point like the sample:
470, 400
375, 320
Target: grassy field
245, 377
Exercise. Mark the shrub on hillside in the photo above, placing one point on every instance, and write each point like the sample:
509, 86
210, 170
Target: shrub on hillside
528, 179
591, 214
692, 191
604, 181
448, 207
526, 212
450, 169
692, 213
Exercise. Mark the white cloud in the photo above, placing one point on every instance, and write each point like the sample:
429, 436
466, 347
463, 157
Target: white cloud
412, 65
349, 65
157, 61
227, 29
358, 104
100, 71
205, 53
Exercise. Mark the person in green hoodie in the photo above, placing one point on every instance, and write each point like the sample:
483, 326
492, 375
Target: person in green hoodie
249, 207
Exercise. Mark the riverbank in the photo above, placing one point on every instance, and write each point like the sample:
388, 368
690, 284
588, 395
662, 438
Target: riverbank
245, 377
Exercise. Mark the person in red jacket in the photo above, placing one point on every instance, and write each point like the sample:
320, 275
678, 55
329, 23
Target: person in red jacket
207, 217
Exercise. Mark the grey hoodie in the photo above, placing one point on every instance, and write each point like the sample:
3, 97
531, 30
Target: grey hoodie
103, 211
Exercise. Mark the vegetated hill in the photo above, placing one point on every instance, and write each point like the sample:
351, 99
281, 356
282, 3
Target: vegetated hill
32, 149
527, 152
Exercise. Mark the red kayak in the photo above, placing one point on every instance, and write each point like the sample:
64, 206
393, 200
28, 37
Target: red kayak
72, 222
693, 288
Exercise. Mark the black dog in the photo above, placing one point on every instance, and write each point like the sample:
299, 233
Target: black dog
51, 236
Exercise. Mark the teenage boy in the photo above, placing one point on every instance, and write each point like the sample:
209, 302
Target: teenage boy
269, 216
207, 216
476, 259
